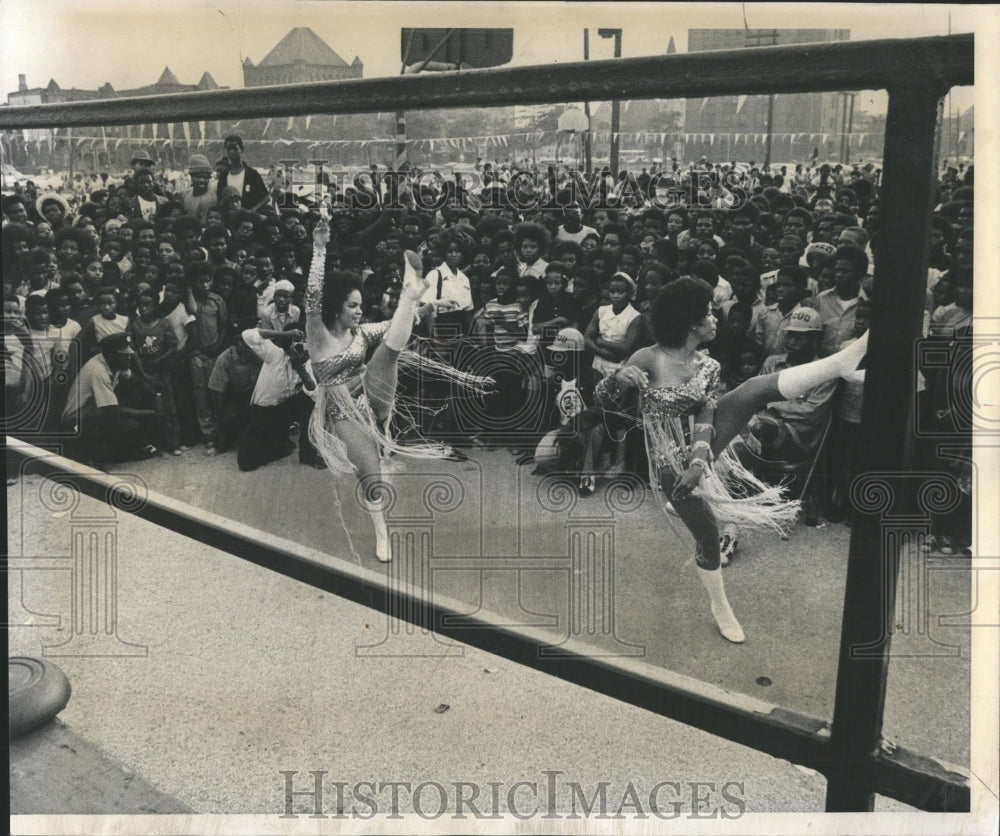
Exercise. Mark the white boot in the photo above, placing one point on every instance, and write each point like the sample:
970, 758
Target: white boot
382, 549
797, 380
414, 286
724, 618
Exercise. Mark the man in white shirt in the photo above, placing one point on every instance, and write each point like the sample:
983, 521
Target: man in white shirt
573, 228
279, 398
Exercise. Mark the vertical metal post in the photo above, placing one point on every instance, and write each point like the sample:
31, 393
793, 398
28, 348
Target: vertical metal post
770, 123
588, 164
897, 306
616, 115
850, 128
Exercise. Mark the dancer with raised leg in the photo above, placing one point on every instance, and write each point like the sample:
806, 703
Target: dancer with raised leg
354, 401
688, 428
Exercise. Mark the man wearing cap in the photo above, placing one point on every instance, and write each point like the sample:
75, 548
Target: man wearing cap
790, 288
142, 161
790, 431
54, 209
197, 200
107, 430
279, 312
574, 445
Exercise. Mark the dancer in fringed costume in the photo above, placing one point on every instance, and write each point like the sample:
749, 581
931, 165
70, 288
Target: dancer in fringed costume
688, 428
355, 401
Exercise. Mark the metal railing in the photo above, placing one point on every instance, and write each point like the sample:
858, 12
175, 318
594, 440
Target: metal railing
850, 751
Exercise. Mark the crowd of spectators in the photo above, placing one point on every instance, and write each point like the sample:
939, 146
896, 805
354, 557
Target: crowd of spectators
137, 319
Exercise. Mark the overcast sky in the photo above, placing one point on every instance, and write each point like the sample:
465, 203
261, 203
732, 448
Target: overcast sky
84, 43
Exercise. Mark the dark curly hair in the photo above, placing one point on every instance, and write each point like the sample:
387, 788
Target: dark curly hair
337, 286
679, 305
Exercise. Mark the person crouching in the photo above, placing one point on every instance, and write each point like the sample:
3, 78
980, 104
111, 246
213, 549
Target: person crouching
279, 399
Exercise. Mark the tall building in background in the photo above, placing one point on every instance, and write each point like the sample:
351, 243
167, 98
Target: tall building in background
732, 127
299, 57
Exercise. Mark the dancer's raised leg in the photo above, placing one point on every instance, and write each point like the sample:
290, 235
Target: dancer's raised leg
382, 373
736, 408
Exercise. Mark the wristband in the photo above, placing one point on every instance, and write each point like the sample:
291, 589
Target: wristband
699, 463
700, 445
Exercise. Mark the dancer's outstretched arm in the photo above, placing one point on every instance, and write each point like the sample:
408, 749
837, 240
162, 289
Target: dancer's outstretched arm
313, 299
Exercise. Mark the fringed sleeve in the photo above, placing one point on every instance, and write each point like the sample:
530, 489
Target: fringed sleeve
313, 299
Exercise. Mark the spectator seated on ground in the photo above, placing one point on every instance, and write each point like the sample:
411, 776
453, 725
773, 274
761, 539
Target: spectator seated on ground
788, 432
105, 430
573, 445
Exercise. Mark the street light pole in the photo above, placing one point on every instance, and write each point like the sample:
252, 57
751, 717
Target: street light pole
615, 104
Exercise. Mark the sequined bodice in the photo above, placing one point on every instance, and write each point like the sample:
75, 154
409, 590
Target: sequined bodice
349, 363
675, 401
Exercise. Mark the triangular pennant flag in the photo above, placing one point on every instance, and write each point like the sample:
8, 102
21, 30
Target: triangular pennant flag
187, 133
703, 103
170, 130
308, 121
201, 134
104, 138
291, 123
711, 139
218, 129
740, 101
267, 124
824, 137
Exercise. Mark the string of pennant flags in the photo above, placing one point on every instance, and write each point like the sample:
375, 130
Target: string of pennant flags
165, 135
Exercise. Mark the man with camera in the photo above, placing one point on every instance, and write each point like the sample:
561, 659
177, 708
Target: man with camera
279, 399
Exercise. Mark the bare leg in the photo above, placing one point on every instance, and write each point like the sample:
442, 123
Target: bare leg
736, 408
382, 374
363, 453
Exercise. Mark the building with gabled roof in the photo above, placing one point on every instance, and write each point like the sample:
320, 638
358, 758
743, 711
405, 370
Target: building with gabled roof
52, 93
298, 57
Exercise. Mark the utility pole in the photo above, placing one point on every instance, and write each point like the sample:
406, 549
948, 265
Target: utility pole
615, 104
770, 122
850, 128
588, 164
765, 38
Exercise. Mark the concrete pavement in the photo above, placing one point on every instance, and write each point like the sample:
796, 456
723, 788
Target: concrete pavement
247, 674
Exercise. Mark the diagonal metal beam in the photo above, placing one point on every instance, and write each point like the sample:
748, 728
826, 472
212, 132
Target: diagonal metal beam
933, 64
780, 732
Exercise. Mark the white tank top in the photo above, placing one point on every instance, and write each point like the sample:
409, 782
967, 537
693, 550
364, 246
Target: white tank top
613, 328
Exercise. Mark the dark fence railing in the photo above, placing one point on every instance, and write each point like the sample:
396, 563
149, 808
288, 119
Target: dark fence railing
849, 751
